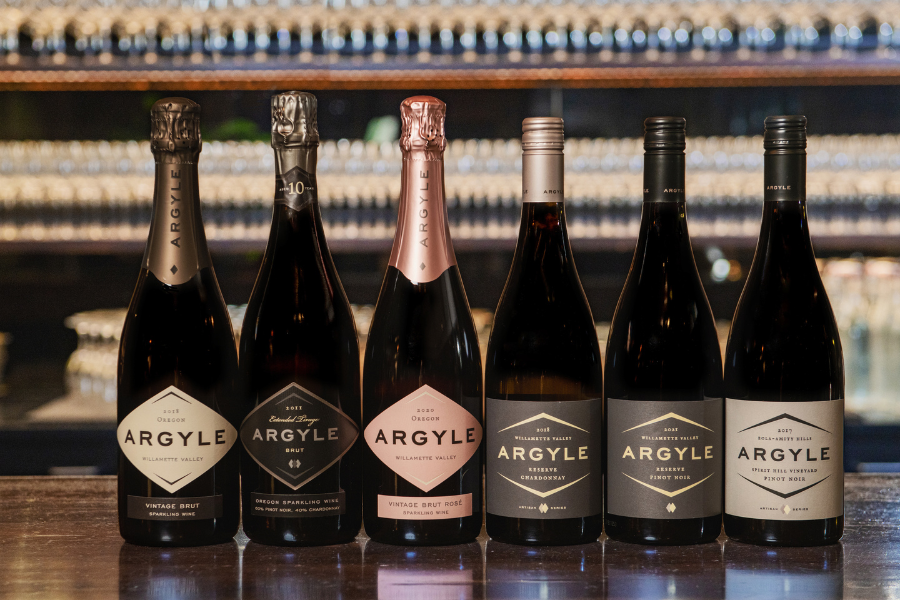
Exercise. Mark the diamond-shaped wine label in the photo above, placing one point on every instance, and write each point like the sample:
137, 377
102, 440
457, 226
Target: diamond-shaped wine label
295, 435
173, 438
425, 437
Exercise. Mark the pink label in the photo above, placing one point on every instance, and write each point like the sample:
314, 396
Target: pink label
424, 509
422, 249
425, 437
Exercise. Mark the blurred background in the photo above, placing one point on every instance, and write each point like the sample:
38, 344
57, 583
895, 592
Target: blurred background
77, 79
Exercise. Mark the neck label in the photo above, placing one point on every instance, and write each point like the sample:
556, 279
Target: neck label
543, 178
295, 189
176, 249
784, 460
422, 248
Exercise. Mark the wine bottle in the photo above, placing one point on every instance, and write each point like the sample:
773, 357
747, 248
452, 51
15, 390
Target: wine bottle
663, 413
422, 387
177, 411
784, 373
543, 373
299, 357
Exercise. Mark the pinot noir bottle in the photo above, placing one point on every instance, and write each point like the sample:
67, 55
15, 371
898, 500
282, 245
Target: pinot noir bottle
299, 356
784, 373
543, 373
177, 411
422, 379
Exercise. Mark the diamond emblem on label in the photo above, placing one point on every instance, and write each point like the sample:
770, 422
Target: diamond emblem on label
425, 437
543, 508
174, 269
295, 435
670, 507
173, 438
786, 509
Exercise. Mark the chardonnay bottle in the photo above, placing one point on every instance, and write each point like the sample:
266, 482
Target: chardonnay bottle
663, 416
784, 373
299, 356
422, 379
177, 410
543, 373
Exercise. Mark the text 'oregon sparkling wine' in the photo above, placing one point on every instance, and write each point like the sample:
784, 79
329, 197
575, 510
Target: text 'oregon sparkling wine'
784, 373
663, 412
300, 380
543, 373
177, 411
422, 388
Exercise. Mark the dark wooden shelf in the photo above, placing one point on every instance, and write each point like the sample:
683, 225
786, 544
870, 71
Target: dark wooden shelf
460, 71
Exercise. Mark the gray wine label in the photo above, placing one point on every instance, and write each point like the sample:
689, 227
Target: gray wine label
174, 509
544, 459
543, 177
784, 460
664, 459
295, 435
298, 505
295, 189
176, 248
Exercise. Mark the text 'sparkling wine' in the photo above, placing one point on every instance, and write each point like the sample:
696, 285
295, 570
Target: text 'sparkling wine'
300, 471
177, 411
663, 411
543, 377
422, 400
784, 373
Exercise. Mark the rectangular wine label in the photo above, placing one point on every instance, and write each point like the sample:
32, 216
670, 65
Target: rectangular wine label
174, 509
664, 459
784, 460
295, 189
298, 505
424, 509
544, 459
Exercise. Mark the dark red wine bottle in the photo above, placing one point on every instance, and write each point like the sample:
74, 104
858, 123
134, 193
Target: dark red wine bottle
300, 468
784, 373
177, 411
663, 394
422, 379
543, 373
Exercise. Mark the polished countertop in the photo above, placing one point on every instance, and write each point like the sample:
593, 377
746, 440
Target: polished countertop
60, 540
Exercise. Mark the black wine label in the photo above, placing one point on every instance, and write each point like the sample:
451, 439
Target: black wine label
298, 505
174, 509
294, 435
544, 459
664, 459
785, 459
176, 249
296, 188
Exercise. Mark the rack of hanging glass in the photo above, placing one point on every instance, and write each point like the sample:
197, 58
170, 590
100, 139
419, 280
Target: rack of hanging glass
200, 30
70, 193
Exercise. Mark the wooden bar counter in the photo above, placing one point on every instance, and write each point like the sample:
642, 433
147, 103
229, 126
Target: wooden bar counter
59, 540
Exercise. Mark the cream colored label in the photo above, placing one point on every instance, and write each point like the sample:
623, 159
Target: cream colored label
425, 437
422, 248
542, 177
425, 509
173, 438
784, 460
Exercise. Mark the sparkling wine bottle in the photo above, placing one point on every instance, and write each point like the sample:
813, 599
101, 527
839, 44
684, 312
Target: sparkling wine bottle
177, 411
299, 357
784, 373
663, 412
543, 373
422, 380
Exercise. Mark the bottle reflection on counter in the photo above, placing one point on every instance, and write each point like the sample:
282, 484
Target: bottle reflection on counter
323, 573
783, 573
431, 572
633, 571
513, 572
209, 573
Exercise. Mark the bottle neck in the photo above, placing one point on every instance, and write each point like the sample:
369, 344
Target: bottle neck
785, 176
422, 248
543, 176
542, 232
176, 248
664, 177
295, 177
